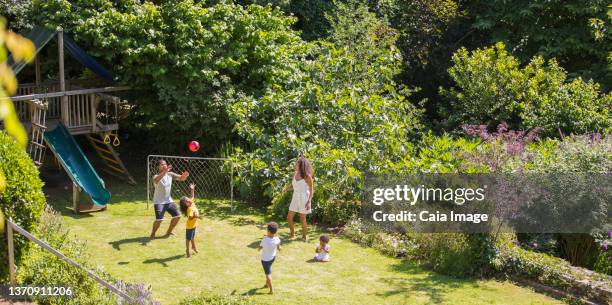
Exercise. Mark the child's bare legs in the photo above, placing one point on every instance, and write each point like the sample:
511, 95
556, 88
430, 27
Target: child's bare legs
187, 247
193, 246
290, 216
269, 282
304, 226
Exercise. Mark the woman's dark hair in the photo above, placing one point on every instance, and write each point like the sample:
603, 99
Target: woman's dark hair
304, 168
272, 227
183, 205
324, 238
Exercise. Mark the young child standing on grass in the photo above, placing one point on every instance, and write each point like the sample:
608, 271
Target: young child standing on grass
269, 245
322, 249
189, 209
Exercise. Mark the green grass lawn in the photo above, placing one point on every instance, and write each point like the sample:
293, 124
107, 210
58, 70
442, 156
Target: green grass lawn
228, 262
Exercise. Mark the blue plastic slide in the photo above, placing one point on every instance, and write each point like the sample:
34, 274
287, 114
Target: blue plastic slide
76, 164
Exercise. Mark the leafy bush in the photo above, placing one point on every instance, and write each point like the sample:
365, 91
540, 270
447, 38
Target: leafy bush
22, 198
208, 298
453, 254
491, 87
604, 262
576, 154
393, 244
21, 49
500, 151
586, 154
545, 243
516, 152
445, 154
456, 254
42, 268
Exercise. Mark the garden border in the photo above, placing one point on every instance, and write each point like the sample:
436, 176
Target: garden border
11, 226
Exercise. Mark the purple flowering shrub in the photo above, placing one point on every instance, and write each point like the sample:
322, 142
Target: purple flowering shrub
523, 154
500, 146
141, 294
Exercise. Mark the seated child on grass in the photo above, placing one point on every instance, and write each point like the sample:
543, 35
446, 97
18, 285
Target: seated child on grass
269, 244
189, 209
322, 249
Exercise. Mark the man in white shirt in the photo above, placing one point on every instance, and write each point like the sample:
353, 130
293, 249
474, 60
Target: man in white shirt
162, 201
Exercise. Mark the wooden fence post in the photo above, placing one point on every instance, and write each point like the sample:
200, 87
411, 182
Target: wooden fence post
75, 198
11, 252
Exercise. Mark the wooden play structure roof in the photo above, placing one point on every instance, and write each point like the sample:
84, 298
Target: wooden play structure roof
41, 37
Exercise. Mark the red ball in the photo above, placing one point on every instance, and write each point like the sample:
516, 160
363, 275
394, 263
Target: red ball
194, 146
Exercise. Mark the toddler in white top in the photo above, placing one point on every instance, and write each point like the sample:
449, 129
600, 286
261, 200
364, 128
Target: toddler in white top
269, 246
322, 249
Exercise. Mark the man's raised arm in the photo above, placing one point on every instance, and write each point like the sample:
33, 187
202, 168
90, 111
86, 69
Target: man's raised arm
183, 176
161, 174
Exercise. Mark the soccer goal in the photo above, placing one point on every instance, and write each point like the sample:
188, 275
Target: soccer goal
212, 176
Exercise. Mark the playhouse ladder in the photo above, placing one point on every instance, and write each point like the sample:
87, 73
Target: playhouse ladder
114, 165
38, 116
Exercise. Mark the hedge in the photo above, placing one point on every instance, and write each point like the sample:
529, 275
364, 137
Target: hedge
518, 263
22, 198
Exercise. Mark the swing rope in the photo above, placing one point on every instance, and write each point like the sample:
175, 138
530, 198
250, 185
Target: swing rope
116, 141
107, 136
107, 139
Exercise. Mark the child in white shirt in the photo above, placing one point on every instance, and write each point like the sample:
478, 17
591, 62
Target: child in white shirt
322, 249
269, 245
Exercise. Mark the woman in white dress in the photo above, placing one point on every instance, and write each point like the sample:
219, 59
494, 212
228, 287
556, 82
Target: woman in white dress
303, 190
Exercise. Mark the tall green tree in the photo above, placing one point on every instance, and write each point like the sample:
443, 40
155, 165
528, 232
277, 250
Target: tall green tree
429, 32
17, 13
311, 21
344, 111
575, 32
185, 60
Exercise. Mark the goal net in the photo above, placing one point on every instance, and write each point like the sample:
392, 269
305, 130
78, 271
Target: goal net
212, 177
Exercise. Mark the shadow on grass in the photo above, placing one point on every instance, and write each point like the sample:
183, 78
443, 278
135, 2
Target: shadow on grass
244, 221
312, 236
237, 213
59, 197
163, 261
61, 201
285, 240
255, 291
143, 240
434, 286
255, 244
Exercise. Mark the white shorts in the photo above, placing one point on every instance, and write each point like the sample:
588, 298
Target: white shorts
298, 203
